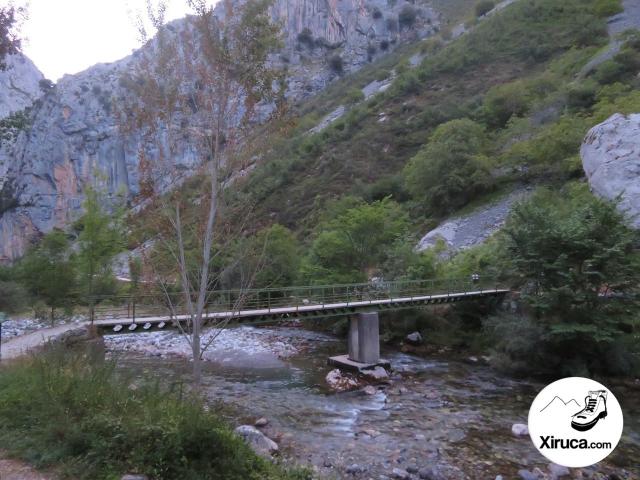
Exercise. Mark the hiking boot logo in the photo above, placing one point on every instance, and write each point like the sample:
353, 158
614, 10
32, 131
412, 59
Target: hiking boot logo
573, 433
595, 409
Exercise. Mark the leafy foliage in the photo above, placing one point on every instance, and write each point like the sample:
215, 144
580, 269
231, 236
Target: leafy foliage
451, 169
355, 241
48, 271
101, 237
10, 42
76, 412
575, 260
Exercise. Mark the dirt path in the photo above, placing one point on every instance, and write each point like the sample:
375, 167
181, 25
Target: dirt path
16, 470
20, 345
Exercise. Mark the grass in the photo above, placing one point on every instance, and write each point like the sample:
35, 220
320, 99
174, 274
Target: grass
75, 413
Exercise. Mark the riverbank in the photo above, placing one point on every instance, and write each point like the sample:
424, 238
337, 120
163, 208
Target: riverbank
449, 419
72, 411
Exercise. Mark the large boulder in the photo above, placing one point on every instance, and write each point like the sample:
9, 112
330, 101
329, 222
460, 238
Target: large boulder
340, 381
258, 441
611, 160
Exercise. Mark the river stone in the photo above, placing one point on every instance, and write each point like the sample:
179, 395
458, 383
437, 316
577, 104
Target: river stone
369, 390
400, 473
527, 475
558, 471
355, 468
339, 381
377, 373
131, 476
519, 429
431, 473
258, 441
414, 338
611, 161
261, 422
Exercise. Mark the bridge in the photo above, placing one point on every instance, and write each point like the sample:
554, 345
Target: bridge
360, 302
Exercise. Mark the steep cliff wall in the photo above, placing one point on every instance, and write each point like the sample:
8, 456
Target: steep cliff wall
73, 134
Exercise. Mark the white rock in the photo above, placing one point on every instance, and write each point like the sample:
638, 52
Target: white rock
611, 160
377, 373
414, 338
258, 441
519, 429
339, 381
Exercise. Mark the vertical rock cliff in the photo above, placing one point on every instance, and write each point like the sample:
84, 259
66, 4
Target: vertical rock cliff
68, 136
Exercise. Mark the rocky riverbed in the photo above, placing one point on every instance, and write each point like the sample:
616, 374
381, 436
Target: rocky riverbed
432, 419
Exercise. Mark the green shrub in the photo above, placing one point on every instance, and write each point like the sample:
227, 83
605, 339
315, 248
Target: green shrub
575, 264
407, 17
13, 297
581, 96
336, 63
504, 101
483, 7
607, 8
449, 171
75, 412
353, 240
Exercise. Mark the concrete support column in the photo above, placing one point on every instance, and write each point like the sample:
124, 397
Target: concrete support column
364, 338
353, 338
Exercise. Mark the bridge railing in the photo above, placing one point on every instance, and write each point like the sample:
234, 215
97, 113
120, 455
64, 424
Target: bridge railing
173, 304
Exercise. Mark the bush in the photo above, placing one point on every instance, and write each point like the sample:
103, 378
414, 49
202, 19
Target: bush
450, 170
575, 264
306, 38
504, 101
75, 412
581, 96
407, 17
13, 297
354, 96
483, 7
336, 63
354, 240
607, 8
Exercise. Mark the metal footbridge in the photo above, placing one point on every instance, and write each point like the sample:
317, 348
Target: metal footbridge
149, 311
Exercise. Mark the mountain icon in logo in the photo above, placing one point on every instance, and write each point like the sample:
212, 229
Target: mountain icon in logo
558, 403
595, 409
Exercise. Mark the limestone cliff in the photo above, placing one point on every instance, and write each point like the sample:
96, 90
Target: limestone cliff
611, 160
72, 132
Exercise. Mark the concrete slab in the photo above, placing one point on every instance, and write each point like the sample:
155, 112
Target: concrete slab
343, 362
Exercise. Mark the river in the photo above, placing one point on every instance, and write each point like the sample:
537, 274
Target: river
441, 417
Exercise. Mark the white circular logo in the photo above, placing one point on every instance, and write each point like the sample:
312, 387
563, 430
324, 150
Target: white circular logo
575, 422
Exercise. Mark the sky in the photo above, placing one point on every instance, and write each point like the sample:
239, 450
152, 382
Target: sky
68, 36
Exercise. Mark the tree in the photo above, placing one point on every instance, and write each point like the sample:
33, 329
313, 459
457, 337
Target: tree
450, 170
483, 7
100, 238
218, 81
354, 243
48, 271
9, 41
574, 258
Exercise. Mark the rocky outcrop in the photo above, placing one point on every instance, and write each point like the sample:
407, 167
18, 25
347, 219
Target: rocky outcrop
74, 140
611, 160
473, 229
19, 85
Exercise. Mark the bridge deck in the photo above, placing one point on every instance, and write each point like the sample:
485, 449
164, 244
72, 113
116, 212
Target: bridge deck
310, 310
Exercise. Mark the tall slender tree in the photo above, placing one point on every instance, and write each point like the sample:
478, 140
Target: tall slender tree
201, 86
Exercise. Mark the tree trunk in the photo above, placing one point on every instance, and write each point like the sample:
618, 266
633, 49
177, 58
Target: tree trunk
52, 315
197, 362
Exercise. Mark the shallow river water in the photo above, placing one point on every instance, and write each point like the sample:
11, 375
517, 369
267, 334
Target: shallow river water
446, 416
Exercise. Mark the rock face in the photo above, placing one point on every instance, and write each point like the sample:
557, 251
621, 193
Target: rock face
73, 133
472, 229
19, 85
611, 160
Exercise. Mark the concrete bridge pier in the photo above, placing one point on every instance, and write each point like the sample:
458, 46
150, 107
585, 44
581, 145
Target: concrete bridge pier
363, 343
